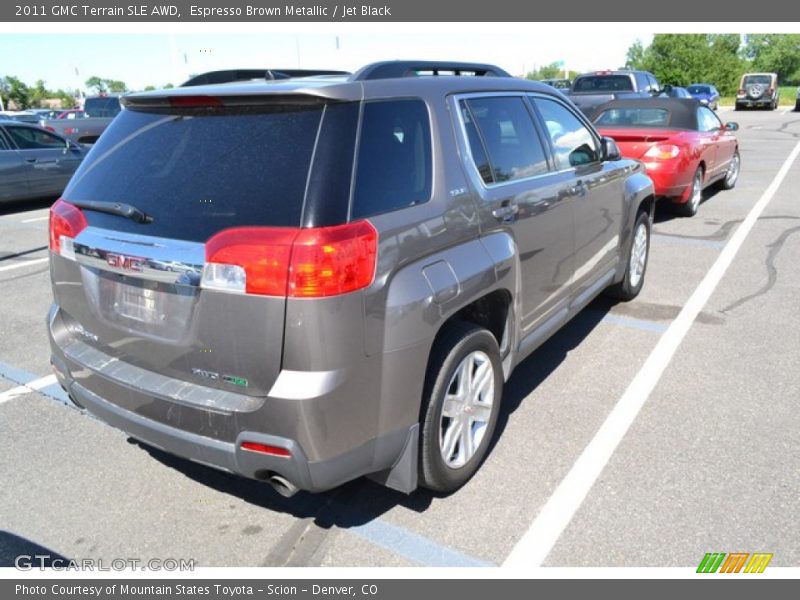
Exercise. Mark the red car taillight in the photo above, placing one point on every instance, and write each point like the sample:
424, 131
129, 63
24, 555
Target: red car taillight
66, 222
663, 151
300, 263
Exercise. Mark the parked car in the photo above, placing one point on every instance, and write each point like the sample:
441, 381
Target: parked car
682, 143
559, 84
758, 90
86, 126
674, 91
706, 94
797, 100
356, 265
34, 163
593, 89
21, 116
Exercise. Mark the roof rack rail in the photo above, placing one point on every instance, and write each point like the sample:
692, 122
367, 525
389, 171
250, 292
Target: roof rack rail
230, 75
393, 69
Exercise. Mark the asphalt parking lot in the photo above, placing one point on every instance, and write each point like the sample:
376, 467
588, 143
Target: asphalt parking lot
711, 462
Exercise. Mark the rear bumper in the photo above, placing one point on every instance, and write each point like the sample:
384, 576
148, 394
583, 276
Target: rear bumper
126, 408
748, 103
670, 179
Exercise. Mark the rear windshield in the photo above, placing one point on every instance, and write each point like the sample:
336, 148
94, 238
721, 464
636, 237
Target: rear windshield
633, 117
102, 107
762, 79
196, 175
699, 89
604, 83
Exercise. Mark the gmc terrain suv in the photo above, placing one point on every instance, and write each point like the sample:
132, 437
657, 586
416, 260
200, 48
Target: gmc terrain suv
308, 280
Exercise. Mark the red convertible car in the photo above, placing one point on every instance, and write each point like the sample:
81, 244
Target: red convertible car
683, 145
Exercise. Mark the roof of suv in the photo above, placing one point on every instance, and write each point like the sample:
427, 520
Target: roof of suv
391, 78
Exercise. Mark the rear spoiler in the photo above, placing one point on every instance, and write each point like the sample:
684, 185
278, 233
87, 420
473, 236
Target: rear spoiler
231, 75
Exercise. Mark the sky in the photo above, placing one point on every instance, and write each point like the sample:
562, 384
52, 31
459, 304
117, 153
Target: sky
67, 60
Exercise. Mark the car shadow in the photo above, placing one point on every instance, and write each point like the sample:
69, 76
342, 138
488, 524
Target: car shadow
355, 503
31, 554
666, 212
536, 368
361, 501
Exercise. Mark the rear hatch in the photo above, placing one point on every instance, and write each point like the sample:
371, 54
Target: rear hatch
160, 183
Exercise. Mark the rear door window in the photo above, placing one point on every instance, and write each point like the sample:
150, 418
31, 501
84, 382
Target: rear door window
197, 173
394, 157
503, 140
573, 143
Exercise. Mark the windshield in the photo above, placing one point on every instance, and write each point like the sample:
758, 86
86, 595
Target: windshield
107, 106
604, 83
699, 89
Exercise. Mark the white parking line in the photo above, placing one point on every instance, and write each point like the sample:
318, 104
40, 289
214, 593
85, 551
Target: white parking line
36, 219
36, 384
538, 541
26, 263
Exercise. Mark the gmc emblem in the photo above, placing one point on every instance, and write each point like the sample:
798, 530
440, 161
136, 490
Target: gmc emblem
125, 263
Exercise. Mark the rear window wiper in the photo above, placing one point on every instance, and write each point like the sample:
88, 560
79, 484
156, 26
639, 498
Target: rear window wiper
115, 208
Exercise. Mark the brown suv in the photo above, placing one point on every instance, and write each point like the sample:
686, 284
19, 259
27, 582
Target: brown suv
759, 90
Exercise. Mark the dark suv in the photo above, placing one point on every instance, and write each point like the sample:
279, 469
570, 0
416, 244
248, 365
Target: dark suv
305, 281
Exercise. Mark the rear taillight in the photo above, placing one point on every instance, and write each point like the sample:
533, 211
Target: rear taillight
741, 92
327, 261
66, 222
280, 261
663, 151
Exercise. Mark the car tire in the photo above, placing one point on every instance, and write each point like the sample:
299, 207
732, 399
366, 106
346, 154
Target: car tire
458, 419
636, 266
689, 208
732, 175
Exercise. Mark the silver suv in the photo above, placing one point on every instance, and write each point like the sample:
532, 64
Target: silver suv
308, 280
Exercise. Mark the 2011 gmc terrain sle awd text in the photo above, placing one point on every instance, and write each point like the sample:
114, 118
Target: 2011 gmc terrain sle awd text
313, 279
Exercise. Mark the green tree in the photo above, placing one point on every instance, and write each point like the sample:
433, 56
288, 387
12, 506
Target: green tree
775, 53
635, 58
97, 84
682, 59
149, 88
116, 86
14, 91
67, 99
554, 70
39, 93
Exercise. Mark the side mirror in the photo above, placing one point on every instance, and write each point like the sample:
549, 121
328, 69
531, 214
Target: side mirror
610, 149
731, 126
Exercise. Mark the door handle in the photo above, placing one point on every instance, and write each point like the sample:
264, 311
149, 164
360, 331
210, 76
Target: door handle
506, 212
30, 160
579, 189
